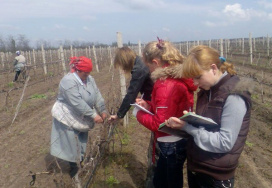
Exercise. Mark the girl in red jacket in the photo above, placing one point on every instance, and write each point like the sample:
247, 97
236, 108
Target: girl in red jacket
170, 96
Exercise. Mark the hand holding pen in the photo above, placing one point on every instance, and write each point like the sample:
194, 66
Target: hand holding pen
190, 110
142, 102
142, 96
139, 100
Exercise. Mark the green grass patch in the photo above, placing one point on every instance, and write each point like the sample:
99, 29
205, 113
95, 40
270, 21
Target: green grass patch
107, 170
249, 144
133, 118
38, 96
268, 104
112, 181
10, 84
44, 150
125, 140
50, 74
255, 96
7, 165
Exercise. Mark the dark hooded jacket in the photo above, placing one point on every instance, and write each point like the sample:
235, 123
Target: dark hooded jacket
140, 82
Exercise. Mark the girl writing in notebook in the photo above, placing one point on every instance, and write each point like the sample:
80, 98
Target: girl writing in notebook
214, 152
170, 96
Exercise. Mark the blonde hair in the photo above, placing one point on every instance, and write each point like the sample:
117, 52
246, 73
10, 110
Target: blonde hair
201, 58
163, 50
124, 59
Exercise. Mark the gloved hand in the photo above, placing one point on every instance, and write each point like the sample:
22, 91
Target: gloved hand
135, 111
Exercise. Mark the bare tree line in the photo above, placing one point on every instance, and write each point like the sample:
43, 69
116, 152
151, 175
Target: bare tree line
21, 42
12, 43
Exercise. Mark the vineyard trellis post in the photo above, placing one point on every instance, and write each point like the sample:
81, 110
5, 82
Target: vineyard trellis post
2, 59
226, 48
95, 59
65, 54
62, 60
243, 46
122, 77
111, 62
268, 47
254, 44
86, 51
180, 47
76, 52
100, 51
187, 48
34, 59
71, 51
250, 48
44, 61
29, 58
262, 89
7, 58
139, 48
59, 58
51, 58
221, 48
89, 49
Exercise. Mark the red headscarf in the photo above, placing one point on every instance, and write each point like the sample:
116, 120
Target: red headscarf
81, 63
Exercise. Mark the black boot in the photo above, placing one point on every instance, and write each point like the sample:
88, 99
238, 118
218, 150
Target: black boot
73, 169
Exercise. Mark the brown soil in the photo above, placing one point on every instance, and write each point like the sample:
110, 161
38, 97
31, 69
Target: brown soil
25, 144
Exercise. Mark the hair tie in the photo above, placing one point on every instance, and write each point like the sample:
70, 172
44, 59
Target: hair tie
222, 59
159, 44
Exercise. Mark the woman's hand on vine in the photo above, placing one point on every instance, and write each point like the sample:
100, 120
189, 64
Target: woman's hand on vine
98, 119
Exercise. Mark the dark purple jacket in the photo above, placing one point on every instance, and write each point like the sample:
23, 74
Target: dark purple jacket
220, 166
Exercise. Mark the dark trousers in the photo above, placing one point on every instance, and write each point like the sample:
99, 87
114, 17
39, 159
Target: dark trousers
151, 166
169, 170
200, 180
73, 169
17, 75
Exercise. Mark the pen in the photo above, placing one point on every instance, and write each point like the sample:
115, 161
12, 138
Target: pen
142, 96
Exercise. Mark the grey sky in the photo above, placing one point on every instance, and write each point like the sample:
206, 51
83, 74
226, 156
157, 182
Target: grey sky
144, 20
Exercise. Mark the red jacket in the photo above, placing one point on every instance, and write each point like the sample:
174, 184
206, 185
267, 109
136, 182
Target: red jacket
171, 95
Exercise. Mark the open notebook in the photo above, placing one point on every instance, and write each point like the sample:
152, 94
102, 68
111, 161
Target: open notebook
141, 108
191, 118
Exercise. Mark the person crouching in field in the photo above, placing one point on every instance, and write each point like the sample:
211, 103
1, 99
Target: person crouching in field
213, 153
19, 64
170, 96
78, 107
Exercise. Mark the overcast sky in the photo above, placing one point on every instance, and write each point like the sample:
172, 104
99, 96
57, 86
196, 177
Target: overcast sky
137, 20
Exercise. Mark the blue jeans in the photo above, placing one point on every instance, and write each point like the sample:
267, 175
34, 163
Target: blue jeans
169, 170
200, 180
